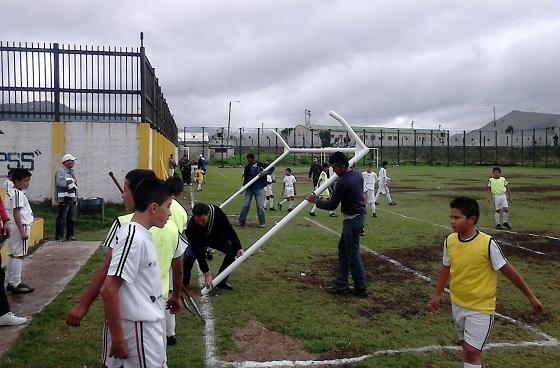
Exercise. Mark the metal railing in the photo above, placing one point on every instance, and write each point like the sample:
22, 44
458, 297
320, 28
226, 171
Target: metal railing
81, 83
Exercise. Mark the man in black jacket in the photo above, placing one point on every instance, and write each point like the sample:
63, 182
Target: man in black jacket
209, 227
315, 172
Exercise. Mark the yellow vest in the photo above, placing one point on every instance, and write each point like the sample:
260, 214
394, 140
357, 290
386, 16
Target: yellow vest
473, 280
178, 215
498, 186
165, 242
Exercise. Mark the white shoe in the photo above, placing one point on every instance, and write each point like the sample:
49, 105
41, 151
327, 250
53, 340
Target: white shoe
10, 319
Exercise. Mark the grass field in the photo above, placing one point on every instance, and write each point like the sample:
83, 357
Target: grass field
280, 311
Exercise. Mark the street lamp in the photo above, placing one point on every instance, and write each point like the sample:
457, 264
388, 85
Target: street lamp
494, 110
229, 121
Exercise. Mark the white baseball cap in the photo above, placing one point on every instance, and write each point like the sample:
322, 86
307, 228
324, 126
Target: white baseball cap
68, 157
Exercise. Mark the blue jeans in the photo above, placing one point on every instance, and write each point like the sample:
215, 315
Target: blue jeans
259, 198
349, 253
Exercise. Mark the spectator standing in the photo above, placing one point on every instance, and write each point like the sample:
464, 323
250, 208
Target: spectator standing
67, 197
315, 171
172, 165
252, 169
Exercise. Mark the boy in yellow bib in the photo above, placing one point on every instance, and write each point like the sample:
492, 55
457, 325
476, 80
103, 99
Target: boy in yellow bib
470, 261
500, 193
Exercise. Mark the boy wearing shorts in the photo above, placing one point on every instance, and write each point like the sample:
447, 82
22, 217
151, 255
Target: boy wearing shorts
21, 218
269, 193
132, 290
289, 189
500, 193
471, 260
370, 179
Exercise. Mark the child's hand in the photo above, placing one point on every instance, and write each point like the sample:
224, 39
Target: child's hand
75, 316
119, 349
537, 305
23, 235
173, 304
434, 304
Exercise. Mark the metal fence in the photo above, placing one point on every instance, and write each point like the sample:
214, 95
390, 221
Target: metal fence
81, 83
533, 147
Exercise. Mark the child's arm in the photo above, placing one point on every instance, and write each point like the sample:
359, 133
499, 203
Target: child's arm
441, 284
110, 295
17, 219
508, 193
511, 273
77, 313
295, 188
174, 297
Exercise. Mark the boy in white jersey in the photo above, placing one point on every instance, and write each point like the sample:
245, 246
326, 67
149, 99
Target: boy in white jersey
370, 178
21, 218
383, 180
289, 189
323, 177
470, 261
500, 193
268, 192
132, 291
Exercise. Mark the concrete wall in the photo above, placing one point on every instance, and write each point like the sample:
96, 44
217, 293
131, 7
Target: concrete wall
98, 147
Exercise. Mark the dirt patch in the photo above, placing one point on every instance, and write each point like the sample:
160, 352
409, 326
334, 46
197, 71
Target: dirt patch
510, 241
257, 342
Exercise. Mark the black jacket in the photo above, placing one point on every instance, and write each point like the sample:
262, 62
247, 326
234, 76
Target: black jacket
216, 234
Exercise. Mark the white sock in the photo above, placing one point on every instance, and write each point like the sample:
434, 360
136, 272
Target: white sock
169, 323
469, 365
265, 202
506, 216
313, 208
376, 196
15, 277
389, 197
331, 212
373, 206
9, 268
271, 201
497, 218
283, 201
291, 203
199, 186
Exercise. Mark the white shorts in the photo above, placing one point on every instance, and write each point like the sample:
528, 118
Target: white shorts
370, 193
16, 245
383, 189
289, 192
472, 327
500, 201
268, 191
145, 341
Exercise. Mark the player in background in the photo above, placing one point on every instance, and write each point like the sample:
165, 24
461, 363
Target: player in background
323, 177
383, 188
471, 260
198, 177
498, 188
370, 179
269, 193
289, 189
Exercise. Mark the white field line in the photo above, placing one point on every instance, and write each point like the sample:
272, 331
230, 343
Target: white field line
427, 279
482, 228
210, 355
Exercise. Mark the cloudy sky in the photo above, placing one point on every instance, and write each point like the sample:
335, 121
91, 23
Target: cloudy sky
379, 63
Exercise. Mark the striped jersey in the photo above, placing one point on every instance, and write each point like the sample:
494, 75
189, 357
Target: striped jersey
135, 261
18, 199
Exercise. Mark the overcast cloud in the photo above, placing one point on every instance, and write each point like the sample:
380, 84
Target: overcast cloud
380, 63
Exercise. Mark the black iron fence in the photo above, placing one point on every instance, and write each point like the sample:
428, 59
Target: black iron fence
81, 83
531, 147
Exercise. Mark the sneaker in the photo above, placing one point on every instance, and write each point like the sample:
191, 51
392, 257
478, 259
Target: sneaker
312, 214
22, 289
58, 239
10, 287
333, 214
241, 224
362, 293
280, 206
10, 319
392, 203
377, 203
507, 225
337, 289
374, 214
225, 285
499, 227
262, 225
272, 209
171, 340
72, 238
290, 209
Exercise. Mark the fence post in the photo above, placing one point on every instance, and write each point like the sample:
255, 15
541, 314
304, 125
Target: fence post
311, 130
222, 148
522, 144
511, 149
259, 144
398, 147
546, 147
464, 148
294, 130
276, 138
56, 81
480, 147
431, 147
203, 143
534, 147
381, 145
448, 148
414, 137
364, 140
240, 146
496, 146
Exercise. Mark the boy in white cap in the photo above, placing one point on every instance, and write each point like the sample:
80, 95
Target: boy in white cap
66, 195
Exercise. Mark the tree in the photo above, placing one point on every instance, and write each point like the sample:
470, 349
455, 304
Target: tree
509, 129
325, 137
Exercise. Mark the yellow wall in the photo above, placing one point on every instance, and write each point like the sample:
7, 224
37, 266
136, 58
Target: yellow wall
161, 149
144, 144
57, 151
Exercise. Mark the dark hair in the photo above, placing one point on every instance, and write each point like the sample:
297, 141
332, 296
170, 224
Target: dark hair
175, 184
19, 173
150, 190
10, 172
136, 176
200, 209
338, 158
251, 155
288, 169
369, 164
325, 165
468, 206
497, 169
384, 163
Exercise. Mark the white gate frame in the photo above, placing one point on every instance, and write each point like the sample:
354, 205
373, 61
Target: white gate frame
360, 150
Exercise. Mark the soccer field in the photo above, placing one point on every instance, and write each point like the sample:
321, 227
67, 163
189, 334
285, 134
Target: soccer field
279, 312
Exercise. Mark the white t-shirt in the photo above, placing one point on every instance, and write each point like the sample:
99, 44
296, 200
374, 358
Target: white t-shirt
135, 261
289, 181
496, 256
18, 199
383, 178
369, 180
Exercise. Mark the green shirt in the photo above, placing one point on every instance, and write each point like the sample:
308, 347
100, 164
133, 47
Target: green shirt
498, 186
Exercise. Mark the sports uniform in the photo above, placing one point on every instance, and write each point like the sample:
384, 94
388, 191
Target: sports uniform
199, 178
18, 247
473, 264
135, 261
498, 188
383, 187
323, 177
269, 194
289, 188
370, 178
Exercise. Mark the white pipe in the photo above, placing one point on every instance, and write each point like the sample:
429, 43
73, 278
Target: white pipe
360, 151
